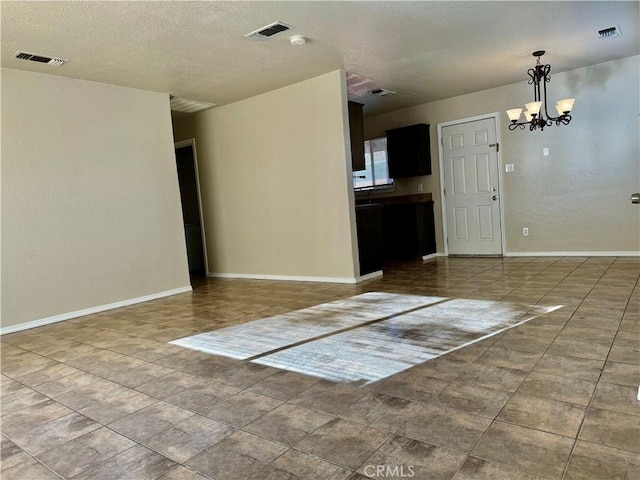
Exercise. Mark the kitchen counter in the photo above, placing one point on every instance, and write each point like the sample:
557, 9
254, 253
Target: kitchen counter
397, 200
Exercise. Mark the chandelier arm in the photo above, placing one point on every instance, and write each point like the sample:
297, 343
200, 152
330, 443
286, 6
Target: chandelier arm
545, 70
536, 85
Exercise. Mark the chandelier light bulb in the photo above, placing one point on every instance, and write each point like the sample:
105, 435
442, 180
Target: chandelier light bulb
514, 114
565, 105
533, 107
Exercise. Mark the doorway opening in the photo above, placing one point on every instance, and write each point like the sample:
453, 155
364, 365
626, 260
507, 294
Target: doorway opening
188, 181
471, 192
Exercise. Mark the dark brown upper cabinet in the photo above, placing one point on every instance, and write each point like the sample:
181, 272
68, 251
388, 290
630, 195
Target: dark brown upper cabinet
409, 151
356, 130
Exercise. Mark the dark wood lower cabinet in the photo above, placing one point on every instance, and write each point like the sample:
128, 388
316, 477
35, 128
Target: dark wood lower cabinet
426, 228
409, 231
370, 242
394, 231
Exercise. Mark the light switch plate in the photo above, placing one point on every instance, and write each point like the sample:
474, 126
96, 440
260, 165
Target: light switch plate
545, 151
509, 167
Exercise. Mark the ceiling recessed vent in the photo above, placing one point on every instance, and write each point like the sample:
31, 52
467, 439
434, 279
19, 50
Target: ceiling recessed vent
34, 57
381, 92
188, 106
610, 32
265, 33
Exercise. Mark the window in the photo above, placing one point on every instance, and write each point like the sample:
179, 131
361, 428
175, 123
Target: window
376, 172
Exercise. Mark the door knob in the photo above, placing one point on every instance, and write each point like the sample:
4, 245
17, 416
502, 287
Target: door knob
635, 198
494, 198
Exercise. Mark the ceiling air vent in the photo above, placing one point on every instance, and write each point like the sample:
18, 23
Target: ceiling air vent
188, 106
610, 32
381, 92
34, 57
265, 33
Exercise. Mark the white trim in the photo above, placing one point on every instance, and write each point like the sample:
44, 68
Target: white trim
630, 253
432, 255
88, 311
503, 226
192, 142
369, 276
443, 202
285, 278
183, 143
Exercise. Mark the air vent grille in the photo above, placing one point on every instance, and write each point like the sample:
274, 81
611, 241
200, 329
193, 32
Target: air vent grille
610, 32
381, 92
188, 106
34, 57
269, 31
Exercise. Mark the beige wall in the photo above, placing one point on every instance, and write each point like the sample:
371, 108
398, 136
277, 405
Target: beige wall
90, 202
183, 126
276, 183
578, 198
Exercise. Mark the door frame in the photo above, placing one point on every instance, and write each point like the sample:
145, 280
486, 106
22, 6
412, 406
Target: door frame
192, 142
443, 199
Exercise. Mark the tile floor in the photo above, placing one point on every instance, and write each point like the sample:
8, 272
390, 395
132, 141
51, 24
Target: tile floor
107, 397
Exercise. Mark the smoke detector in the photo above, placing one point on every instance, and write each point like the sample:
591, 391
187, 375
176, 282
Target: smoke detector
34, 57
297, 39
271, 30
609, 32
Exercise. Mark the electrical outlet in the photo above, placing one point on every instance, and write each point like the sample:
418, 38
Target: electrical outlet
509, 167
420, 187
525, 232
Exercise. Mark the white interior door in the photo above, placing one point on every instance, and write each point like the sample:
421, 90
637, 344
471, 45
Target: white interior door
470, 168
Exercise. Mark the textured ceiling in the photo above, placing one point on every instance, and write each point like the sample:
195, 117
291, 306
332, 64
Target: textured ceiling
424, 51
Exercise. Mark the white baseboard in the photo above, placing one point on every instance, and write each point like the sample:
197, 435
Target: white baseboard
285, 278
88, 311
369, 276
629, 253
432, 255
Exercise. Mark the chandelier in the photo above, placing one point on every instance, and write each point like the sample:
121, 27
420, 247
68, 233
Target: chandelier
540, 75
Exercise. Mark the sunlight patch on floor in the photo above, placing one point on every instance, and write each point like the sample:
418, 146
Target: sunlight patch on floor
377, 351
268, 334
364, 338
